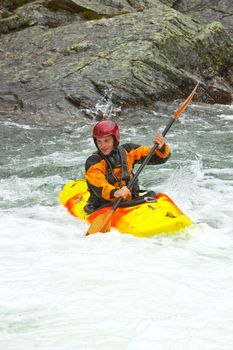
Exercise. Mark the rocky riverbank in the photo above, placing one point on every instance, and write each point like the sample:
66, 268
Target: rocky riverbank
58, 57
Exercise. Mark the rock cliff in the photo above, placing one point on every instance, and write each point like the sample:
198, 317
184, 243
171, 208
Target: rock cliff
58, 57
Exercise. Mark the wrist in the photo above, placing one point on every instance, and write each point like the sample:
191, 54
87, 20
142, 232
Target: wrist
112, 193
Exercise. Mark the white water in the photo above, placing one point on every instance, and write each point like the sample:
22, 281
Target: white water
60, 290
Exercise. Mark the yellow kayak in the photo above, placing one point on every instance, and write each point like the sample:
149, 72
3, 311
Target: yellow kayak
142, 220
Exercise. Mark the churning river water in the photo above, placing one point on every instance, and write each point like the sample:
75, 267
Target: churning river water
60, 290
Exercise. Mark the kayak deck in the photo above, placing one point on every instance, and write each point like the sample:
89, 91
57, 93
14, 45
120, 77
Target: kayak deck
143, 220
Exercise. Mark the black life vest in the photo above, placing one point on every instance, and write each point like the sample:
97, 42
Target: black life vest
118, 158
125, 174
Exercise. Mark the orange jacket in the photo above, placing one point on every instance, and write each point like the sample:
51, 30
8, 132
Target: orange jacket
97, 174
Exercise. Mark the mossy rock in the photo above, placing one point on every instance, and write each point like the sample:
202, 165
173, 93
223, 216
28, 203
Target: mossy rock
52, 5
14, 4
48, 62
5, 14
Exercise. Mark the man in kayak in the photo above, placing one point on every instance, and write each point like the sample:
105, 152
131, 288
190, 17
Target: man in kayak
109, 170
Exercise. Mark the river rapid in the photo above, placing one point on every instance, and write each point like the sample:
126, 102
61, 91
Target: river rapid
60, 290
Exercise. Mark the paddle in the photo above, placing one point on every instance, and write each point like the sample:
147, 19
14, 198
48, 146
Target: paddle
103, 221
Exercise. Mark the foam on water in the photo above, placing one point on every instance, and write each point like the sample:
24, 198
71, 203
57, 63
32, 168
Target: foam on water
61, 290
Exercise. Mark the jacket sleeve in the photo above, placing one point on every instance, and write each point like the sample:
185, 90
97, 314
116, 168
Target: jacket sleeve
96, 176
139, 153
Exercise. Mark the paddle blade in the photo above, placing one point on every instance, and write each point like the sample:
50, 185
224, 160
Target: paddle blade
101, 224
185, 103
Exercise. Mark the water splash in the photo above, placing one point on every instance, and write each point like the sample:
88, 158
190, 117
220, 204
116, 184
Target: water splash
105, 108
185, 180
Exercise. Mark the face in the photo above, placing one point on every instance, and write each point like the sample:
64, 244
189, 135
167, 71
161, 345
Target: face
105, 144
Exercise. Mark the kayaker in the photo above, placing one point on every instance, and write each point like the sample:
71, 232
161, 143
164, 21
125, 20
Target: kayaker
110, 168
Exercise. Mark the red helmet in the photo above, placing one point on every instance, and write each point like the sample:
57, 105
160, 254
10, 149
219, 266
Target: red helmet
106, 128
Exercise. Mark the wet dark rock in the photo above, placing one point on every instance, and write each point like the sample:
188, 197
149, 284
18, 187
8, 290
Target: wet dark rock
10, 102
35, 14
208, 11
59, 57
93, 9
